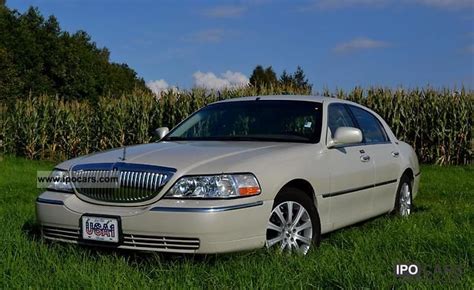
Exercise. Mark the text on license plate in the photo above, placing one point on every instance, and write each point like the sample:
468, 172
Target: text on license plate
103, 229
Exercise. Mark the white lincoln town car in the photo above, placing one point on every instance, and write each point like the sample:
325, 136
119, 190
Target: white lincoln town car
239, 174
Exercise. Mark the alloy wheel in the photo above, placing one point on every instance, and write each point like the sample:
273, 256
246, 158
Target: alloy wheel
405, 200
290, 228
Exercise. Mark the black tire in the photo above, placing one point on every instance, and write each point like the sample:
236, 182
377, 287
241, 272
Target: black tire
398, 210
299, 196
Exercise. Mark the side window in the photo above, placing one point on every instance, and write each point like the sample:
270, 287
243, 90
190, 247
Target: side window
338, 116
370, 126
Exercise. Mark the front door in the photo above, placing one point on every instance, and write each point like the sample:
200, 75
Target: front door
352, 174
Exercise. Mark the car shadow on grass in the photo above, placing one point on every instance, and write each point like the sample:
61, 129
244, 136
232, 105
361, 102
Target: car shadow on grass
372, 223
420, 208
144, 258
32, 230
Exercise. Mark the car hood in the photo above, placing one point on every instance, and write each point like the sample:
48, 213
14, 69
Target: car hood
186, 156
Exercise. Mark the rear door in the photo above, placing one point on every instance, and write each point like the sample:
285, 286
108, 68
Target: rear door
352, 174
384, 156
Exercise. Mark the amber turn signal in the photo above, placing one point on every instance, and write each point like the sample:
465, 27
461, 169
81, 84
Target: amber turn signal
245, 191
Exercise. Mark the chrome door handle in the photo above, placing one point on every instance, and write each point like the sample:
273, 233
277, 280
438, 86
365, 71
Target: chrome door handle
395, 154
364, 158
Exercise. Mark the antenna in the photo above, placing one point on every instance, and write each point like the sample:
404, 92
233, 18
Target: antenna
124, 154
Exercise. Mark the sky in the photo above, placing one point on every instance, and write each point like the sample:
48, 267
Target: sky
339, 44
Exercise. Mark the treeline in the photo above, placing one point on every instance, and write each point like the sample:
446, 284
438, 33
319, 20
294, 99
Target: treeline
37, 57
265, 78
437, 123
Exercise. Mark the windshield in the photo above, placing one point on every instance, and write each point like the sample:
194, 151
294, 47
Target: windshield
259, 120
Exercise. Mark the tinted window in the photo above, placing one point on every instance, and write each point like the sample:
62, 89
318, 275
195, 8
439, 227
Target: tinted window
371, 128
338, 116
263, 120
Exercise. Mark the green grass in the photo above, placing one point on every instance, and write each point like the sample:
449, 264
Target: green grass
440, 232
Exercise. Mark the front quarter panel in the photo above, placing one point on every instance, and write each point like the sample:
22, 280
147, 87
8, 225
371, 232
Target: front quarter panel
302, 162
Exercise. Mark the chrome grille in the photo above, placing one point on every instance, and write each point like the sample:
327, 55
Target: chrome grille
158, 243
130, 241
57, 233
133, 183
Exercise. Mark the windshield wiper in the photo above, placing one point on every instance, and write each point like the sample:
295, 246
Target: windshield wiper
214, 138
287, 138
176, 138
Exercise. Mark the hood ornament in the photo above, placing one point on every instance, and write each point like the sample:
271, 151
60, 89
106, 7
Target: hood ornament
124, 154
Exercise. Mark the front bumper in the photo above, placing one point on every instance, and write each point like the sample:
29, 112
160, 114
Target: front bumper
177, 226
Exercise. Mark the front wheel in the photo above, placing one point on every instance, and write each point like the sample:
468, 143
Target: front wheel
294, 222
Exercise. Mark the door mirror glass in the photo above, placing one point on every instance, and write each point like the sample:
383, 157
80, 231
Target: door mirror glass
161, 132
346, 135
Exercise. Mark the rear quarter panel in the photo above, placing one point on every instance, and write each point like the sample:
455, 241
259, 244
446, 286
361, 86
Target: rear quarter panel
409, 159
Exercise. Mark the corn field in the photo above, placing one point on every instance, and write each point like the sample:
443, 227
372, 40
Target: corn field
437, 123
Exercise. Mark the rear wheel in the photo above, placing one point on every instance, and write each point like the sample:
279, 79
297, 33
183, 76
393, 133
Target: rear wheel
294, 222
404, 199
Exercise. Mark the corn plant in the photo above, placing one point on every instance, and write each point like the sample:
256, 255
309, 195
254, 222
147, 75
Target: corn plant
437, 123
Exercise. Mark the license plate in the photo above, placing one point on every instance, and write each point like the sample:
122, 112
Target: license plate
101, 229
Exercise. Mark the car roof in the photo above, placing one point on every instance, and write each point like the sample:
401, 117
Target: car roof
308, 98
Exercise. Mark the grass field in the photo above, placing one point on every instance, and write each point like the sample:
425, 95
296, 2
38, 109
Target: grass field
439, 233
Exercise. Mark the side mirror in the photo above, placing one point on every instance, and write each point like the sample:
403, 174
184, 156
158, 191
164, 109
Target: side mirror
346, 135
161, 132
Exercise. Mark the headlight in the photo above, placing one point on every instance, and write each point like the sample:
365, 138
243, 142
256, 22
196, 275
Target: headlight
215, 186
60, 181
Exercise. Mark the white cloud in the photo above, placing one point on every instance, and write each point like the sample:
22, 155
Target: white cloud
360, 43
339, 4
228, 80
206, 36
236, 78
229, 11
159, 86
470, 49
447, 3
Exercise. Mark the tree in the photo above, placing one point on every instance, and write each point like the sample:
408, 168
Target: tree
50, 61
258, 76
263, 77
10, 82
271, 77
286, 79
300, 79
297, 80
